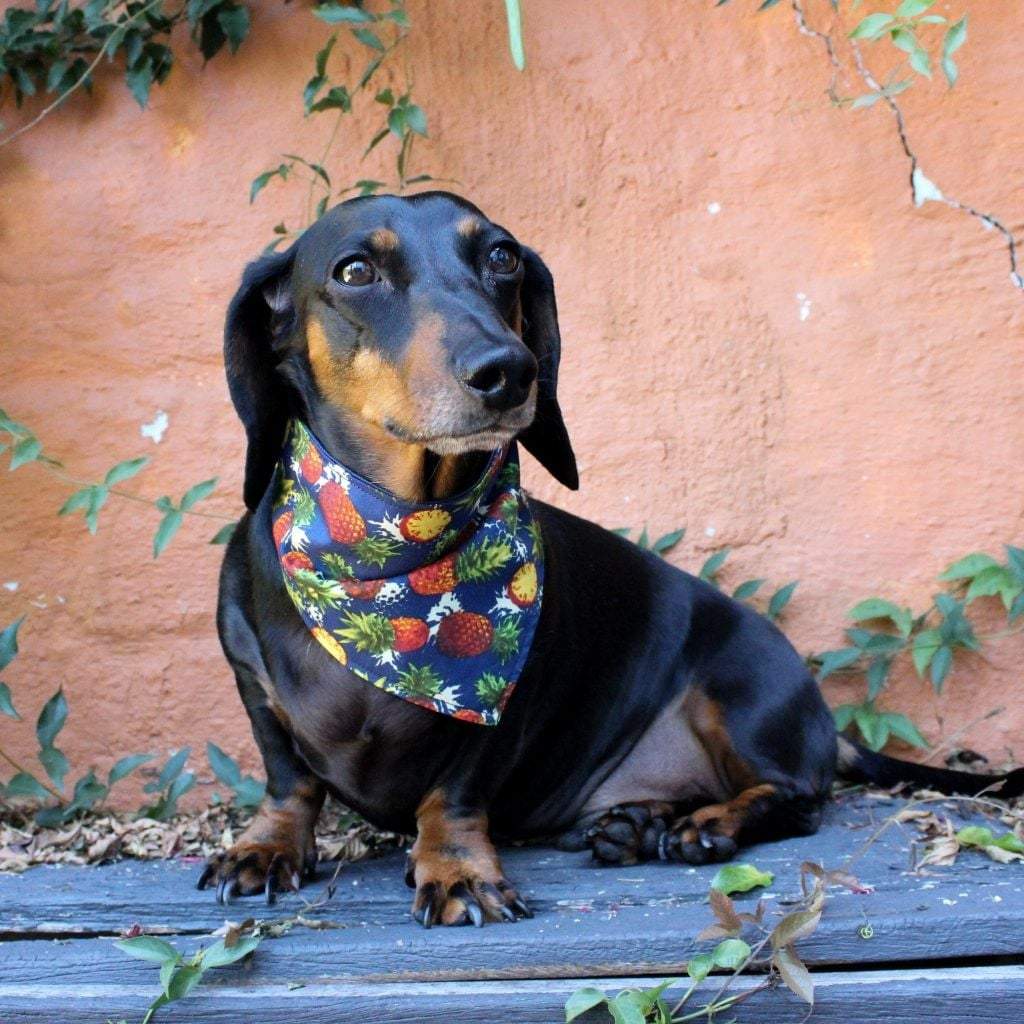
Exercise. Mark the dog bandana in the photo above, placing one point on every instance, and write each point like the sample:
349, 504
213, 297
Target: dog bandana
436, 603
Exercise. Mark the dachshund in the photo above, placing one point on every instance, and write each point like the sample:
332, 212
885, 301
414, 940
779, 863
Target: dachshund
654, 716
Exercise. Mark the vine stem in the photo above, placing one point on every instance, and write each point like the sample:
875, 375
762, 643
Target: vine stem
18, 768
62, 474
117, 35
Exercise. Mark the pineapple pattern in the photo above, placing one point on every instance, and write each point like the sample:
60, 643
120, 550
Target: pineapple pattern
436, 603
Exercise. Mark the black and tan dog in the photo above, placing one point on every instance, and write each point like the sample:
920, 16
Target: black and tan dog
655, 716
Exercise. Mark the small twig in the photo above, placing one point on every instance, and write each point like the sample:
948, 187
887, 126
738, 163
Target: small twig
952, 738
18, 768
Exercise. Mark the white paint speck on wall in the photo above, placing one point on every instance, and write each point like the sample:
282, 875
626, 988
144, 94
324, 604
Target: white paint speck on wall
156, 427
12, 586
803, 306
709, 531
714, 208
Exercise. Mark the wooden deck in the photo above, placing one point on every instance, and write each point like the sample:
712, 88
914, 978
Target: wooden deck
946, 945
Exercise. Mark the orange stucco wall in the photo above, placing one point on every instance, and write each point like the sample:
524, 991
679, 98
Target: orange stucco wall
764, 340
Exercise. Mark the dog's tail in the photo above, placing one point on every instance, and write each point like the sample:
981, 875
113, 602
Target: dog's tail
858, 764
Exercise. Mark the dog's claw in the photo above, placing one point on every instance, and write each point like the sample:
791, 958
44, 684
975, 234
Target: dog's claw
476, 915
521, 907
205, 877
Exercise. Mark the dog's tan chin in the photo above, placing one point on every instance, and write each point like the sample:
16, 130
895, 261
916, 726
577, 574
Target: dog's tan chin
483, 442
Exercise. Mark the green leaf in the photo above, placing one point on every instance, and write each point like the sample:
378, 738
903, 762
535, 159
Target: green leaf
904, 729
224, 766
709, 570
627, 1008
905, 40
514, 16
872, 726
125, 766
249, 793
335, 14
88, 789
51, 719
224, 534
26, 450
992, 581
184, 978
832, 661
699, 967
956, 36
259, 183
396, 122
980, 836
781, 598
369, 38
581, 1000
197, 492
140, 78
912, 8
78, 500
219, 955
740, 878
170, 771
56, 765
925, 646
879, 608
234, 23
165, 531
921, 62
747, 589
26, 785
872, 26
51, 817
667, 541
877, 675
9, 642
942, 662
730, 953
148, 947
643, 541
969, 566
97, 499
6, 703
843, 716
416, 119
1016, 609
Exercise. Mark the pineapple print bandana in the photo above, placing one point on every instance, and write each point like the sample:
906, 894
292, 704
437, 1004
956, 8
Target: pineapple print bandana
436, 603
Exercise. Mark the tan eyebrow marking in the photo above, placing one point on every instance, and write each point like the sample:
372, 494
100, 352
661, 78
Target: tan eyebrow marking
384, 239
468, 226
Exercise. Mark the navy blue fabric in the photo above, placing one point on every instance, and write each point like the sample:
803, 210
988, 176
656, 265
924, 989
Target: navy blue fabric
437, 602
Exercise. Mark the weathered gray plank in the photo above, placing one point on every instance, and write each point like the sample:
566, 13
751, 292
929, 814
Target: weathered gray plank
986, 995
590, 921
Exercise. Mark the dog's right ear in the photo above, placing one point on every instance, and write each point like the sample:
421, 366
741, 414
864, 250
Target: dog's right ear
261, 310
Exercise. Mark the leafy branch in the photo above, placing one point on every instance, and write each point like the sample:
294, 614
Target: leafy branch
771, 949
178, 975
885, 631
55, 49
91, 496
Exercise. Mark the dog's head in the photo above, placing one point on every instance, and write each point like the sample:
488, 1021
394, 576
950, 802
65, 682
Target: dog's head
417, 319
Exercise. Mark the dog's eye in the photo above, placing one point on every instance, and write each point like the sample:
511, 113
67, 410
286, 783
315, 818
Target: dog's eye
503, 260
355, 272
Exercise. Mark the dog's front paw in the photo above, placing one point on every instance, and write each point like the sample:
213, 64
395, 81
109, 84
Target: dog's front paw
253, 866
454, 891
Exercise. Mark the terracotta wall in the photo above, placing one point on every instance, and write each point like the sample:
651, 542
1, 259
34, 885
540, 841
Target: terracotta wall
764, 340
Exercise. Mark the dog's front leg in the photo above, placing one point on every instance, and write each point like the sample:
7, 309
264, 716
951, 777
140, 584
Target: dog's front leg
455, 869
278, 848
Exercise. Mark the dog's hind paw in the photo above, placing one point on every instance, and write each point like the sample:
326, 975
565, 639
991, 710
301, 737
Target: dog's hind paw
630, 833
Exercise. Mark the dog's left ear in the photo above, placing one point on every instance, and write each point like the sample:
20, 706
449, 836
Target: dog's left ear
546, 439
259, 313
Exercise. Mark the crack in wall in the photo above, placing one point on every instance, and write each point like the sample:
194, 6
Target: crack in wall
921, 188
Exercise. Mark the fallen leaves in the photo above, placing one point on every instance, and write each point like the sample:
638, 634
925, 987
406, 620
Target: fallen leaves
109, 836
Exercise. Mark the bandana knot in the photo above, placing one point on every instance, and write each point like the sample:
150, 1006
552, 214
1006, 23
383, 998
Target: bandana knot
437, 602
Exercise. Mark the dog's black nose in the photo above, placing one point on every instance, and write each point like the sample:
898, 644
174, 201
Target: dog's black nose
503, 379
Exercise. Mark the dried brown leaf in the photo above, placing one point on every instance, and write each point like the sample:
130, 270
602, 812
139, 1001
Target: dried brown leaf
794, 974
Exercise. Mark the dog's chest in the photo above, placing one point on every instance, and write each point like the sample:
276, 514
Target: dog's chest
378, 751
